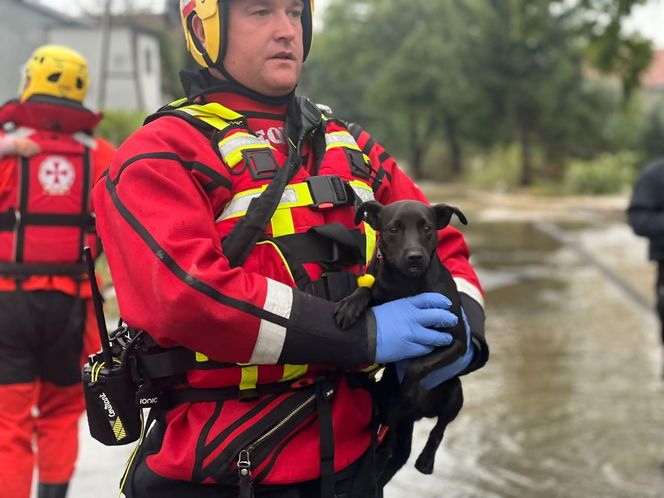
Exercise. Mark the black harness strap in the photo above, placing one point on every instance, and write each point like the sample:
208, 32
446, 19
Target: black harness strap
85, 194
21, 269
9, 220
324, 393
22, 208
326, 244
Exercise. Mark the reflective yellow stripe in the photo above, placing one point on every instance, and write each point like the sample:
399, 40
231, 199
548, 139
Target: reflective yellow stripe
282, 223
201, 358
292, 372
371, 368
365, 193
249, 377
296, 195
340, 139
282, 220
178, 102
211, 113
370, 241
303, 195
283, 260
231, 147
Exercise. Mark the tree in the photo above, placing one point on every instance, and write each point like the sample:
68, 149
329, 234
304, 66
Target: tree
414, 66
611, 50
478, 71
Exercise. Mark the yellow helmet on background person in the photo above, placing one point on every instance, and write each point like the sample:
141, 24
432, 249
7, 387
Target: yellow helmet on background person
56, 71
214, 16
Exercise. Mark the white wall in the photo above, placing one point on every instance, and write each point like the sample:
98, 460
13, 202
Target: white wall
132, 83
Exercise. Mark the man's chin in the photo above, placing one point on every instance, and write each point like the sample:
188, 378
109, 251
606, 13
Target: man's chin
278, 89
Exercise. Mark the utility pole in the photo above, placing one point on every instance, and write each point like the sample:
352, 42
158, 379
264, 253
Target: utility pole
105, 50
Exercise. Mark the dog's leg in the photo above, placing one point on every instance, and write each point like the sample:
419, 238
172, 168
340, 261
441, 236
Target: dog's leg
450, 396
349, 309
427, 456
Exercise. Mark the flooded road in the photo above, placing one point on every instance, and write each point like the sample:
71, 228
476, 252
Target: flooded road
571, 403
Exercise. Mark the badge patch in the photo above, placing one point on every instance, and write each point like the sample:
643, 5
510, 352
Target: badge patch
56, 175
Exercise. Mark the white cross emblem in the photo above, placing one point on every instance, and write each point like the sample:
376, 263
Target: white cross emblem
56, 175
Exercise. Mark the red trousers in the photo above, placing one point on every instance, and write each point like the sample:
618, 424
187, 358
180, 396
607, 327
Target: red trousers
45, 336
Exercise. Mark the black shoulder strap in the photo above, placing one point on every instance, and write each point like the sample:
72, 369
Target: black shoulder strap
303, 119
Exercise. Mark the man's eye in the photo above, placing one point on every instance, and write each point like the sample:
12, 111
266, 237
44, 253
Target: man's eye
260, 13
296, 13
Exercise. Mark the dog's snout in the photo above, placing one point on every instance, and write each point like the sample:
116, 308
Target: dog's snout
414, 256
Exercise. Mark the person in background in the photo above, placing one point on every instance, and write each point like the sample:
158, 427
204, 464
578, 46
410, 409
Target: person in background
646, 217
49, 161
268, 396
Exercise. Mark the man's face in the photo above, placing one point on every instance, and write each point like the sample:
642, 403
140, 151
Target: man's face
265, 48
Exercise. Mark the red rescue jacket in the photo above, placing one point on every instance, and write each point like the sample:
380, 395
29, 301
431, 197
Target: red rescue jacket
172, 193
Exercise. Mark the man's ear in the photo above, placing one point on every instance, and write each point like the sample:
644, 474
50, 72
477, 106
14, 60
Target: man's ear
197, 28
443, 214
370, 212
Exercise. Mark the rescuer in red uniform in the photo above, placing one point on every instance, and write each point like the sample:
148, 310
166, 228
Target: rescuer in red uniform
49, 163
274, 398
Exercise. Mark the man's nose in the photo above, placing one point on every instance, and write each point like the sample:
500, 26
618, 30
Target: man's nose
285, 26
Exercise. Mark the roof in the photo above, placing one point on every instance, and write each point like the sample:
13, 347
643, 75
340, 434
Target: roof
654, 77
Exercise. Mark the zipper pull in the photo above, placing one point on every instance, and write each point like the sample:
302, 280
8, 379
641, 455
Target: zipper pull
244, 475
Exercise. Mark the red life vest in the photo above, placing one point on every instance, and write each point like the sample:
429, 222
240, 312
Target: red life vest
45, 214
321, 200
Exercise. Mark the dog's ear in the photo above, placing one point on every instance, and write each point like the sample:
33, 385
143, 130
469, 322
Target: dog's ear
370, 212
444, 212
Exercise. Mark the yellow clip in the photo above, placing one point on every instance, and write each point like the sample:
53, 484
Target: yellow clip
366, 281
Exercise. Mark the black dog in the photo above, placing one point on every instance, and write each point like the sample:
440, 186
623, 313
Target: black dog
407, 264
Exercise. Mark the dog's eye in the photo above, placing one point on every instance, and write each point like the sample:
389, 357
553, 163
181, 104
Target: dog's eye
393, 229
427, 228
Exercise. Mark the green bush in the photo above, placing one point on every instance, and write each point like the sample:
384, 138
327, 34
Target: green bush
496, 169
605, 174
118, 125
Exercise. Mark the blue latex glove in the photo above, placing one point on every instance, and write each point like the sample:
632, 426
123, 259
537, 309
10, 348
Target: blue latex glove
406, 327
446, 372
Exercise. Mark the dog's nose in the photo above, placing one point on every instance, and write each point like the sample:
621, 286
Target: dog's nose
414, 256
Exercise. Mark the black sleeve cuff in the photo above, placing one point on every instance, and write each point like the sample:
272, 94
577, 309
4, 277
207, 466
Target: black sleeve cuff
312, 336
475, 316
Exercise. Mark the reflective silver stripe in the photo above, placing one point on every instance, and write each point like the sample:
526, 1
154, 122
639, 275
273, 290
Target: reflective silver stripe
21, 132
238, 142
271, 337
363, 193
85, 140
241, 203
466, 287
340, 137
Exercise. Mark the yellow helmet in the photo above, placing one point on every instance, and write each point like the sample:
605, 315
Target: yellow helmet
56, 71
214, 15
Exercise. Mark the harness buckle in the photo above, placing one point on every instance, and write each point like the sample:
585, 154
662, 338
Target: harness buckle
9, 220
334, 285
328, 191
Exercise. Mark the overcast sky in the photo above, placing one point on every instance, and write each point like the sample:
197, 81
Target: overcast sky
648, 18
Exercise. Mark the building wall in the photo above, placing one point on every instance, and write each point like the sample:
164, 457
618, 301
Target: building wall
132, 80
22, 30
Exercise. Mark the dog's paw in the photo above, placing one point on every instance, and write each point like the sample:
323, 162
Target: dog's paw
346, 313
349, 309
